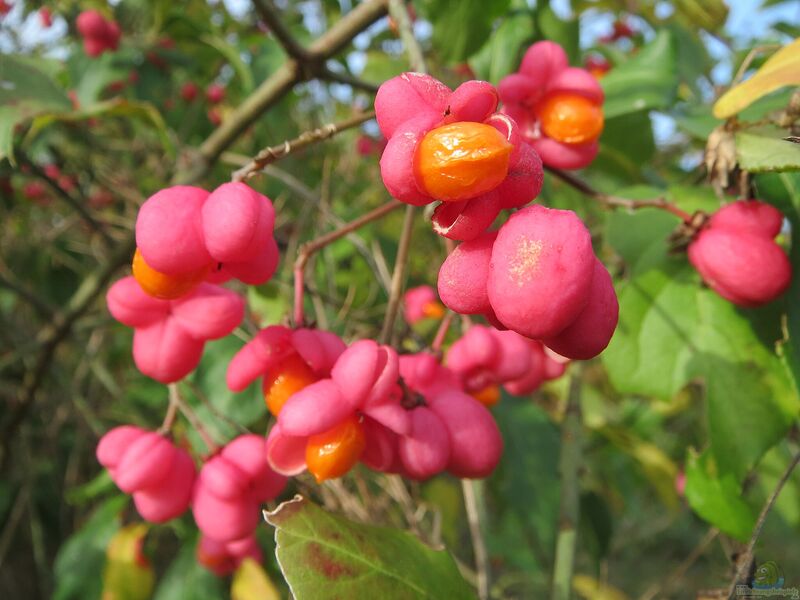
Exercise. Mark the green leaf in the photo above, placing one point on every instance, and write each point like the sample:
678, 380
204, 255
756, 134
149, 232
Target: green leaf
707, 14
381, 66
501, 55
267, 303
460, 27
525, 485
648, 80
243, 408
762, 150
783, 190
623, 154
117, 107
187, 578
673, 331
25, 91
596, 525
326, 556
717, 498
28, 89
231, 54
9, 116
79, 563
96, 75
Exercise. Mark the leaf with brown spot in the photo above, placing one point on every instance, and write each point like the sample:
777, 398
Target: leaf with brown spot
324, 556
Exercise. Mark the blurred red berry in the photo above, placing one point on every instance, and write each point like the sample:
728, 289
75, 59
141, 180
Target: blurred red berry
215, 93
101, 198
52, 171
189, 91
597, 66
45, 17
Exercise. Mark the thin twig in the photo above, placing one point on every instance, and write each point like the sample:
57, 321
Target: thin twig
194, 420
279, 84
309, 248
55, 333
677, 574
468, 487
172, 409
398, 275
74, 203
616, 201
568, 466
304, 140
348, 79
269, 14
749, 59
747, 557
400, 15
441, 333
40, 306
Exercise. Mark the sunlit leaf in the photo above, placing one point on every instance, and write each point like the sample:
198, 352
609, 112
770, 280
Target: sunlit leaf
717, 497
590, 588
325, 556
250, 582
762, 150
128, 574
782, 69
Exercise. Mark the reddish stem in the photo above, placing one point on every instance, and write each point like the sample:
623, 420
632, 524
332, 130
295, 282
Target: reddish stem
610, 200
441, 333
315, 245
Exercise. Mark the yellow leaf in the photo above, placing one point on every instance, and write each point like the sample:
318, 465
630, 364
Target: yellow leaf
128, 574
250, 582
782, 69
591, 589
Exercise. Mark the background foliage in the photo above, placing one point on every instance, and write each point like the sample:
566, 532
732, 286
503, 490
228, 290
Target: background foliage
690, 384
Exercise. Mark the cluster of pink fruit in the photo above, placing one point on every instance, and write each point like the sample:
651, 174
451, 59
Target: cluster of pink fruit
338, 405
99, 34
536, 279
189, 241
225, 496
537, 275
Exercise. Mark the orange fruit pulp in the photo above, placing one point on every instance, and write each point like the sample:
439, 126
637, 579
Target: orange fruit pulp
287, 378
163, 286
334, 452
461, 160
571, 118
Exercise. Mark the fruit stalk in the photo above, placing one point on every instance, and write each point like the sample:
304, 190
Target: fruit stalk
610, 200
304, 140
473, 491
569, 463
317, 244
399, 13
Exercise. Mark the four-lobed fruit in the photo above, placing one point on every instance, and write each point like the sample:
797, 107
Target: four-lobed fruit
535, 276
737, 256
159, 475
